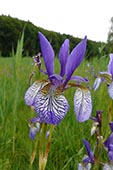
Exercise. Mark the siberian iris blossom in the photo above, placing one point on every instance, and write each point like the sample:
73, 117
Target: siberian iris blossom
88, 160
106, 77
90, 157
109, 143
46, 96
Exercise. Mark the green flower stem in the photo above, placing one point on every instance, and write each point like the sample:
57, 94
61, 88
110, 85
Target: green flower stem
48, 142
34, 71
34, 151
98, 150
44, 146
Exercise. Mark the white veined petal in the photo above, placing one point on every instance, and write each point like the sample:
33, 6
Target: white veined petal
50, 107
97, 83
32, 91
110, 90
82, 104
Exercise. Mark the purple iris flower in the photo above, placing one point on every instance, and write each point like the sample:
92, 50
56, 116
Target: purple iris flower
46, 96
90, 157
106, 77
87, 160
109, 143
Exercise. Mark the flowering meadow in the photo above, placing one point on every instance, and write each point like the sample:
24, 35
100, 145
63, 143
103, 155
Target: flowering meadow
73, 136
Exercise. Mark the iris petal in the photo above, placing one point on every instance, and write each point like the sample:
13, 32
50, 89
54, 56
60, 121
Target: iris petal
107, 166
75, 59
56, 79
109, 141
82, 104
47, 53
33, 132
110, 155
97, 83
106, 76
110, 90
110, 65
32, 91
79, 79
90, 154
51, 108
80, 166
63, 55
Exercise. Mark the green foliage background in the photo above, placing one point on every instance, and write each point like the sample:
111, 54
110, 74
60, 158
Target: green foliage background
11, 28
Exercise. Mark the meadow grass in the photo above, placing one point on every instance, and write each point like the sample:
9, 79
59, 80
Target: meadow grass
67, 148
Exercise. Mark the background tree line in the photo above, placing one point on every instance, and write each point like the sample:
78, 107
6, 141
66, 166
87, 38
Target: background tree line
11, 29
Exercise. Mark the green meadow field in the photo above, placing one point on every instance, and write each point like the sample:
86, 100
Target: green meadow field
67, 148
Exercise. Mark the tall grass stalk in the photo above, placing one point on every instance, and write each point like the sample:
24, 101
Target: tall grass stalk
17, 58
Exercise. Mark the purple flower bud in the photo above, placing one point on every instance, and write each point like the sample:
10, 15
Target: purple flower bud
34, 130
37, 59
